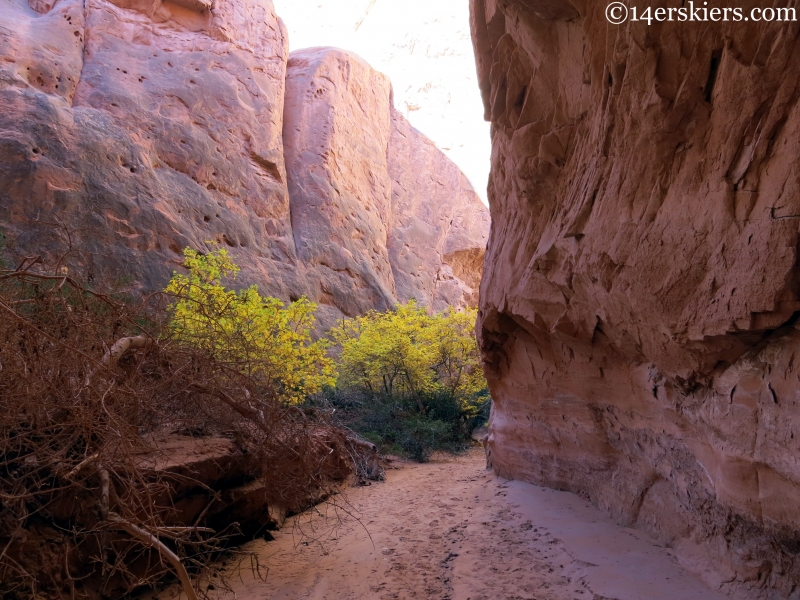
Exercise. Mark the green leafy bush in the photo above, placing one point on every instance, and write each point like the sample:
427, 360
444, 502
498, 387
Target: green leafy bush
408, 381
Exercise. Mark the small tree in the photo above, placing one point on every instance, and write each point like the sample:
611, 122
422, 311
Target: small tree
254, 334
389, 353
458, 368
420, 375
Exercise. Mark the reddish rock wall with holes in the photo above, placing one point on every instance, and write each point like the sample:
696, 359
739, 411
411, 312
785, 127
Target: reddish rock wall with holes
640, 294
134, 128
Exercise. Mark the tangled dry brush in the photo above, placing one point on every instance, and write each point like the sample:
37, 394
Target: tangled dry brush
93, 396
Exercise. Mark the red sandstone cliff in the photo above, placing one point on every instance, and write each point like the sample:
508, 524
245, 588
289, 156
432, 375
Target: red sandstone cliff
378, 211
140, 127
436, 224
640, 294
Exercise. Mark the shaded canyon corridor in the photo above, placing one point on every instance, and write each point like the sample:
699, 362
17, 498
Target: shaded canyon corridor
635, 275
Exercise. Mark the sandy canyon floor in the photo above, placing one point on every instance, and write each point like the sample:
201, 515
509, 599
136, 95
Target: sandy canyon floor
450, 529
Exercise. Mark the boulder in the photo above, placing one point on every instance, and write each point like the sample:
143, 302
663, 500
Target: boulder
640, 297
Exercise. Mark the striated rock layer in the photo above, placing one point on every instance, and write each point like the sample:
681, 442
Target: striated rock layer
640, 294
134, 128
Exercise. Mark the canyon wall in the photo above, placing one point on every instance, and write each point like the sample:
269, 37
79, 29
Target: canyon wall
132, 129
378, 211
436, 222
640, 295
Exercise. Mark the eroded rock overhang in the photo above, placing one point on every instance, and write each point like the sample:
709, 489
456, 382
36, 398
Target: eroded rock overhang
640, 292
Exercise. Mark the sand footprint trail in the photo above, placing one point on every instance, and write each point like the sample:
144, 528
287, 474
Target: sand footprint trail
452, 530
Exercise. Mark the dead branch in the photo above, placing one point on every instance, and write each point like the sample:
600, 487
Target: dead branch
152, 541
81, 465
54, 441
121, 347
104, 491
27, 323
247, 413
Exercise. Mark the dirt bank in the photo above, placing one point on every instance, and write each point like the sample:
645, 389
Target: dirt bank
451, 530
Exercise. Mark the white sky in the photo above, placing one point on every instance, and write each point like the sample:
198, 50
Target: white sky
424, 47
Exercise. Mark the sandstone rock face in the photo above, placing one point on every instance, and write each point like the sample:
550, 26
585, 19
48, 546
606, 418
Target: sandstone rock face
435, 244
134, 128
640, 294
336, 134
145, 134
426, 50
379, 214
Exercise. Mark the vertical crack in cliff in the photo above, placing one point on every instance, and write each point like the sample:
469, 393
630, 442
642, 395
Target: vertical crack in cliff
716, 58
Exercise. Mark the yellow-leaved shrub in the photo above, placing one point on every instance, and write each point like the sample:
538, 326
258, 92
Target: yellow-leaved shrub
409, 352
257, 335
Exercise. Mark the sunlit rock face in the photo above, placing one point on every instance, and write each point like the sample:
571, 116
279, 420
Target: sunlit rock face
424, 47
439, 229
144, 131
377, 210
337, 133
132, 129
640, 290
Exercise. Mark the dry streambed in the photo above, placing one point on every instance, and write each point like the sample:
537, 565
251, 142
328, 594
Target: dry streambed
451, 530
